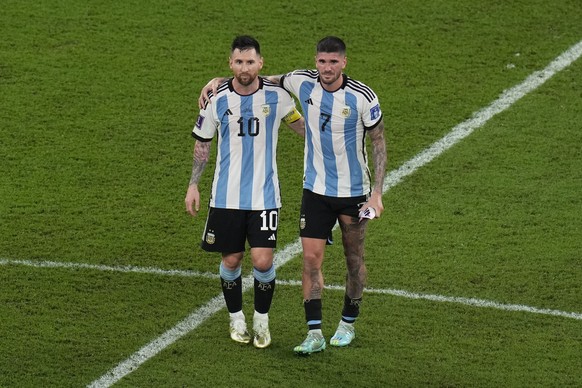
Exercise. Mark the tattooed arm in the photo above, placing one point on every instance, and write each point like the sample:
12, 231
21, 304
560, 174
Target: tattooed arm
201, 155
379, 157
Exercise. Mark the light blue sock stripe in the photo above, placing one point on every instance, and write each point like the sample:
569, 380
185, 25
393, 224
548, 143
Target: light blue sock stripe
265, 277
314, 322
349, 319
229, 275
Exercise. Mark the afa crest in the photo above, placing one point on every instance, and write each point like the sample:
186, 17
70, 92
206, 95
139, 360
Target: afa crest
302, 222
346, 110
266, 109
210, 238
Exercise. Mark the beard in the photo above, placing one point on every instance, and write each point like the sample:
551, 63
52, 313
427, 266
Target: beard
245, 79
329, 79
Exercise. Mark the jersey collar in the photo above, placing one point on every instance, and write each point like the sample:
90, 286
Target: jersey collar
231, 87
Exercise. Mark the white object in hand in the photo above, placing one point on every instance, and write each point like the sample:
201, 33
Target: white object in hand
369, 212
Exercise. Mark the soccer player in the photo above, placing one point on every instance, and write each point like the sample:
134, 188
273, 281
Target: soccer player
245, 116
340, 113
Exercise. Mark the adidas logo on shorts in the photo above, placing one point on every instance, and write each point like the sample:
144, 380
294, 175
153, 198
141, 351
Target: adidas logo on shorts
272, 238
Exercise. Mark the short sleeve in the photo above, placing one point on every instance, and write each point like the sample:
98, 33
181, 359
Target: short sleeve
371, 114
205, 127
289, 82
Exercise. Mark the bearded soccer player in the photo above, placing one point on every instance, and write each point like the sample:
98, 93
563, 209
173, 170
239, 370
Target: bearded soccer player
245, 116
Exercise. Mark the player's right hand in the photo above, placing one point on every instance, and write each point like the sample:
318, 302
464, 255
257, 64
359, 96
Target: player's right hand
192, 200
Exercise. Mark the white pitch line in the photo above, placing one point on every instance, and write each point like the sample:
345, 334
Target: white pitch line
126, 269
451, 299
213, 304
459, 132
464, 129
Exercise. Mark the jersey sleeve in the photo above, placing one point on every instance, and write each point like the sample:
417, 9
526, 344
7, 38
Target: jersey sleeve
205, 127
291, 81
371, 113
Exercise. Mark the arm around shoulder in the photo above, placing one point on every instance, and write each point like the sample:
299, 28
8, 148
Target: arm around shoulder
210, 87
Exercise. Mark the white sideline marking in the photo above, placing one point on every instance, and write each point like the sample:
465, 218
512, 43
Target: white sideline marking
464, 129
214, 306
128, 268
453, 299
459, 132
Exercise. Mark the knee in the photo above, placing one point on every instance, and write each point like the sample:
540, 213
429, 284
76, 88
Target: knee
312, 260
263, 264
356, 267
262, 259
231, 261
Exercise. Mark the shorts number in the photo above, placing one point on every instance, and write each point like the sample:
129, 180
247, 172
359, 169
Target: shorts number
269, 220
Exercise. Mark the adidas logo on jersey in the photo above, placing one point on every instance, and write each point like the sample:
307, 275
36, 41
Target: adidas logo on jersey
272, 238
309, 101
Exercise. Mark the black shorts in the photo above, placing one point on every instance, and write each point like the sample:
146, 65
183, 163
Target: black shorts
227, 230
319, 213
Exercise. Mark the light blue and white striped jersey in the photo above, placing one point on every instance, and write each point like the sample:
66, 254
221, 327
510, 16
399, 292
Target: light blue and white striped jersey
336, 162
247, 129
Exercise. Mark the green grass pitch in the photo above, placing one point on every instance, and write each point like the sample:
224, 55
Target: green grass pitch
97, 101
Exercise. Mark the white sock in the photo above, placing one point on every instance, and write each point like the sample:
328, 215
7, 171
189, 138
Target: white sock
260, 316
237, 315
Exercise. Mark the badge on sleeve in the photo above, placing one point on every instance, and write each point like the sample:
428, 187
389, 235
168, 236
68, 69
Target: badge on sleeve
375, 112
199, 122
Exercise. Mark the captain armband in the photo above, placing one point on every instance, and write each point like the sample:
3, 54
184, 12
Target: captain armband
292, 116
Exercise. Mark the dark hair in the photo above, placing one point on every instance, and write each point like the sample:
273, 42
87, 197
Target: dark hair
245, 42
331, 44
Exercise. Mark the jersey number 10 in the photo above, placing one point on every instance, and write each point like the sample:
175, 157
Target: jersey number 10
252, 124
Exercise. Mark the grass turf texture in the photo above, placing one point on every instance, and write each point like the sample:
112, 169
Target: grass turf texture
96, 105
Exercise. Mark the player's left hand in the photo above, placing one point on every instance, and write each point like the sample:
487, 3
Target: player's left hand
211, 86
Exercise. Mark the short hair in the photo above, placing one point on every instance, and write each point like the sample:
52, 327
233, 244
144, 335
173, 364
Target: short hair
331, 44
245, 42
